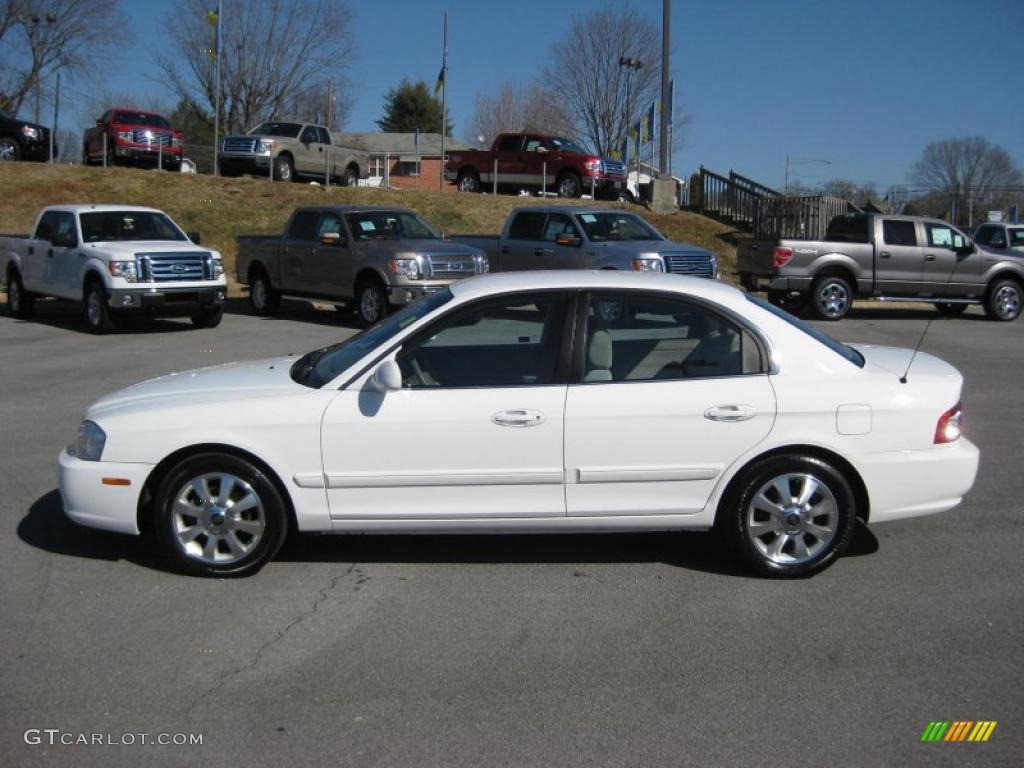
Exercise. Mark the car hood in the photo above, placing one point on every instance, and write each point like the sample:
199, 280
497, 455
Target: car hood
896, 359
131, 247
229, 382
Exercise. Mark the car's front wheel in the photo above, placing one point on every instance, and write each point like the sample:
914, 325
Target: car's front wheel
789, 516
98, 316
208, 317
1004, 300
219, 515
371, 302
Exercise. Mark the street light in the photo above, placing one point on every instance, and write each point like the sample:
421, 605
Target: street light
790, 162
631, 64
35, 19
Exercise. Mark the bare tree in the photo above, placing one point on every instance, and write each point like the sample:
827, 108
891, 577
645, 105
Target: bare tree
515, 108
585, 74
40, 36
972, 172
272, 53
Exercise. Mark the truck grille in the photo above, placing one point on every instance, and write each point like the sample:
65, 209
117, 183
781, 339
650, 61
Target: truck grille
239, 144
165, 267
696, 264
151, 137
445, 267
613, 168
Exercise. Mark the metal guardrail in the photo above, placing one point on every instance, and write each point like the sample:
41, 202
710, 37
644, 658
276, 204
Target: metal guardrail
800, 218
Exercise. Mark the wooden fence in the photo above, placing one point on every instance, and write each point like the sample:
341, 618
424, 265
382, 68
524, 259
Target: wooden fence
802, 218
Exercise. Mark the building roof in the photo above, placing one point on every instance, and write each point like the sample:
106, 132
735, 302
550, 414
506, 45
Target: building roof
400, 143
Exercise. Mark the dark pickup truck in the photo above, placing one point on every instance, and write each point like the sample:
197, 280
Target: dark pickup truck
895, 258
372, 256
20, 140
536, 161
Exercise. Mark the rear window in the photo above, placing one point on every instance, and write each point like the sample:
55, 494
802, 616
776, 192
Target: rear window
510, 144
527, 226
303, 226
848, 229
899, 232
847, 353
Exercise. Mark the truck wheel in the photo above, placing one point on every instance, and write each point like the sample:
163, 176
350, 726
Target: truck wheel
283, 169
794, 303
468, 181
1003, 300
831, 297
349, 178
208, 317
569, 185
263, 297
20, 302
371, 302
9, 149
98, 316
950, 310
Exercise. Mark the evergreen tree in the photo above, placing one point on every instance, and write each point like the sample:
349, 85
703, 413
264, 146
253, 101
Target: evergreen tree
411, 106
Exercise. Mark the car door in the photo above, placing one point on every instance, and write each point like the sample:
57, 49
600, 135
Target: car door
900, 257
534, 158
326, 270
309, 157
297, 248
36, 265
548, 254
516, 251
947, 265
476, 430
510, 161
64, 265
669, 393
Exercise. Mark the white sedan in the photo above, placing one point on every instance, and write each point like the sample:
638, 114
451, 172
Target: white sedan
535, 402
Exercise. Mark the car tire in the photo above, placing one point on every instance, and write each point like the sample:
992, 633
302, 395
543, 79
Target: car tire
349, 178
20, 303
788, 516
468, 181
9, 148
284, 170
264, 299
208, 317
1003, 300
198, 529
371, 304
831, 297
569, 185
794, 303
950, 310
98, 317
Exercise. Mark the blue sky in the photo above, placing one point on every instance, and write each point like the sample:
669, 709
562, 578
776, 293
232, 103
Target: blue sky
864, 84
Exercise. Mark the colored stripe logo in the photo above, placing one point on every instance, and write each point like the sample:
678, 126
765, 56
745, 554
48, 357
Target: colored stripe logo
958, 730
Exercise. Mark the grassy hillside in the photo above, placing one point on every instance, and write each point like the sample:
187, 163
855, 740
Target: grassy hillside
220, 209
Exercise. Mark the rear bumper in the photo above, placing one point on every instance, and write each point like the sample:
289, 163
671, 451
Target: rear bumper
88, 501
169, 299
753, 282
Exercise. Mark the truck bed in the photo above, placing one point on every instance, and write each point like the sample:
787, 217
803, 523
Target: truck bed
266, 246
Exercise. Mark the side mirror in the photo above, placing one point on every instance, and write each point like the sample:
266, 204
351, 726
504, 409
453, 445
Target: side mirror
332, 238
542, 150
567, 239
965, 249
387, 377
195, 237
64, 239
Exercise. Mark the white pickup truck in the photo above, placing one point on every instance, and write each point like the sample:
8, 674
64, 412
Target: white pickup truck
115, 259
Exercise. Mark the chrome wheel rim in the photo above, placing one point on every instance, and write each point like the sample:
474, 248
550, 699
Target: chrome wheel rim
8, 149
94, 308
285, 171
369, 305
217, 519
834, 299
259, 294
466, 184
1007, 301
14, 295
568, 187
792, 519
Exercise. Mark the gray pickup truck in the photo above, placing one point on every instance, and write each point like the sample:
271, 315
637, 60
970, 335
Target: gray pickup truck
562, 237
897, 258
372, 256
1001, 237
291, 151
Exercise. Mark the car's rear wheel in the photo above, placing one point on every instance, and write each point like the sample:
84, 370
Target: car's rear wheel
950, 310
98, 316
789, 516
349, 178
20, 302
263, 297
219, 515
1003, 300
468, 181
831, 297
569, 185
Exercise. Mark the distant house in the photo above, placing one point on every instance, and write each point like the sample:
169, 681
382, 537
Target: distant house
400, 160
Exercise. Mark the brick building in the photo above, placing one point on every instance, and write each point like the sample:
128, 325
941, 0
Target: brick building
398, 160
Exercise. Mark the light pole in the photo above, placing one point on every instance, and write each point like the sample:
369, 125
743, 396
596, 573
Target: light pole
631, 64
789, 162
35, 19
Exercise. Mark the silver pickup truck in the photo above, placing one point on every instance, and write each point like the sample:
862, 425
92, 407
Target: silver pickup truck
372, 256
291, 151
898, 258
563, 237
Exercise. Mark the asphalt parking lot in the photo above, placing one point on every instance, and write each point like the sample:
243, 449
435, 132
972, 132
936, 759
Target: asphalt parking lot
613, 650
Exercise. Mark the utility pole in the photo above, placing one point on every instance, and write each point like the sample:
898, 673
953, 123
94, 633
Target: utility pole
443, 80
216, 100
56, 116
666, 12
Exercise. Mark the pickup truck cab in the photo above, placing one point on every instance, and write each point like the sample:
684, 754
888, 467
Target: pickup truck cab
576, 237
374, 257
1000, 237
114, 259
132, 137
536, 161
295, 150
896, 258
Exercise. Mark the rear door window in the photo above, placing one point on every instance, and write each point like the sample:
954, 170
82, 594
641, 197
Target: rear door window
510, 144
897, 232
528, 225
303, 226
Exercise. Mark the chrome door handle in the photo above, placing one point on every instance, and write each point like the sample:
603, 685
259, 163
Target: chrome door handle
929, 257
730, 413
518, 417
884, 255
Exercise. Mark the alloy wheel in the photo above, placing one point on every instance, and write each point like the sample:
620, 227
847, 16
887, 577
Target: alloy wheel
217, 519
792, 518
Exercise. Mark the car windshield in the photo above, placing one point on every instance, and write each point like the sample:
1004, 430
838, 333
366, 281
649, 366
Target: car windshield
848, 353
567, 145
316, 368
287, 130
615, 225
141, 118
107, 226
390, 225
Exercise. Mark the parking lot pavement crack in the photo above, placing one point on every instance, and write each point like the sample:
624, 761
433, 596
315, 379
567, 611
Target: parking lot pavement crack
322, 594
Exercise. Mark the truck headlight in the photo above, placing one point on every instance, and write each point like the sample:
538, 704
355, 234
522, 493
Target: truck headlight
89, 444
29, 132
175, 141
409, 268
482, 265
714, 267
265, 145
646, 264
217, 268
125, 269
125, 135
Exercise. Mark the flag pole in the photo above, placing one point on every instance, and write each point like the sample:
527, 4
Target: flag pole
216, 105
444, 106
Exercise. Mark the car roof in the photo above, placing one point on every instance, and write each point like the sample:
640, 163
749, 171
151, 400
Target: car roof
352, 208
99, 208
576, 209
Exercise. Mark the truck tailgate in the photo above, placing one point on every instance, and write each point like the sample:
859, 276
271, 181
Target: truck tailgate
755, 257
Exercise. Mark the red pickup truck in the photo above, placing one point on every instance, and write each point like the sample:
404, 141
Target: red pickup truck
133, 137
531, 161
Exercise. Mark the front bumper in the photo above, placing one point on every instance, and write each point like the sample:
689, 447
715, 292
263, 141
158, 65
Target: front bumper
754, 282
155, 154
399, 295
35, 149
88, 501
244, 163
157, 299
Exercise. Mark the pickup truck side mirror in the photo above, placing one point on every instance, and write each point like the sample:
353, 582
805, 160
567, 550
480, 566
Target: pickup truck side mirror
333, 238
542, 150
965, 249
387, 377
195, 237
64, 239
566, 238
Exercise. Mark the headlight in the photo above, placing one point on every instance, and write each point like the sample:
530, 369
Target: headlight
29, 132
482, 265
125, 135
593, 164
648, 265
218, 268
126, 269
90, 442
265, 145
175, 141
714, 267
409, 268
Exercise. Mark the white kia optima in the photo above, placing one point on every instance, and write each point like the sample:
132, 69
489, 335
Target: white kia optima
535, 402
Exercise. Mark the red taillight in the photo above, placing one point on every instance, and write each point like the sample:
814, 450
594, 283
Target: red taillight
950, 425
781, 256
